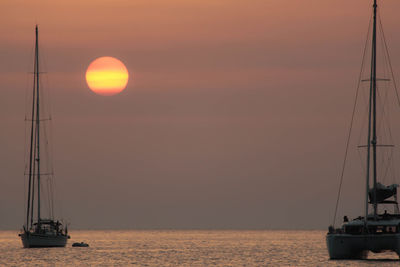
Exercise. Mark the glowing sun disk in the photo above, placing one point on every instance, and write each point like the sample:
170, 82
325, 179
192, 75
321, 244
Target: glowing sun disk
107, 76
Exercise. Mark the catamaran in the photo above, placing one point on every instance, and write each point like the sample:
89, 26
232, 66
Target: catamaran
40, 231
378, 230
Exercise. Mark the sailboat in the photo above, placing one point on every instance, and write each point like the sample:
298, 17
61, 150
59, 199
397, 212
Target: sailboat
375, 231
39, 231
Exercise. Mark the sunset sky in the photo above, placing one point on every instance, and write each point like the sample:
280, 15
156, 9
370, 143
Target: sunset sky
235, 114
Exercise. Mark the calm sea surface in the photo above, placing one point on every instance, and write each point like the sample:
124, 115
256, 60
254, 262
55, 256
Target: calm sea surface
183, 248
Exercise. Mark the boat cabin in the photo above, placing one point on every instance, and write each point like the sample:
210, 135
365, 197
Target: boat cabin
374, 227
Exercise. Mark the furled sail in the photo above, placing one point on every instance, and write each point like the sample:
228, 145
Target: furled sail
383, 192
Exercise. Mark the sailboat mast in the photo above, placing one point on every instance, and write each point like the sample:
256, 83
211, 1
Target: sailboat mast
37, 125
373, 81
32, 146
372, 123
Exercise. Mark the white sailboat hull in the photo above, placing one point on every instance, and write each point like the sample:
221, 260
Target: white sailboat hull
348, 246
33, 240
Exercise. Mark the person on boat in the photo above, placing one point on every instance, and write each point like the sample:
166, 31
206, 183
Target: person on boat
385, 215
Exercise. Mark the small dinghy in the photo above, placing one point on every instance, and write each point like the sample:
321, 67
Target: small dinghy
80, 244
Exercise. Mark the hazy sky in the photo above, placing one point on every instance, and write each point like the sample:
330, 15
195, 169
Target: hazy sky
235, 115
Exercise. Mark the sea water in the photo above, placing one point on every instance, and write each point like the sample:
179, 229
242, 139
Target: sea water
183, 248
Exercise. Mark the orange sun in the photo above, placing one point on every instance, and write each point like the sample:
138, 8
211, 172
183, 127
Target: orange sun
107, 76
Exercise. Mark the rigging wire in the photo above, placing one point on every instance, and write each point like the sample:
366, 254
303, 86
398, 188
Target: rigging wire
391, 73
26, 115
49, 140
389, 61
388, 71
351, 125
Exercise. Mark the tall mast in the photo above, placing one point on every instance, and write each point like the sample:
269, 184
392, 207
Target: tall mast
37, 125
373, 81
372, 124
30, 183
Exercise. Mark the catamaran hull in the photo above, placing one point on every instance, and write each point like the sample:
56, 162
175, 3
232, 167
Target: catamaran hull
30, 240
346, 246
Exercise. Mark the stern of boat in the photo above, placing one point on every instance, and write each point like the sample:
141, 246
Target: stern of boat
342, 246
33, 240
